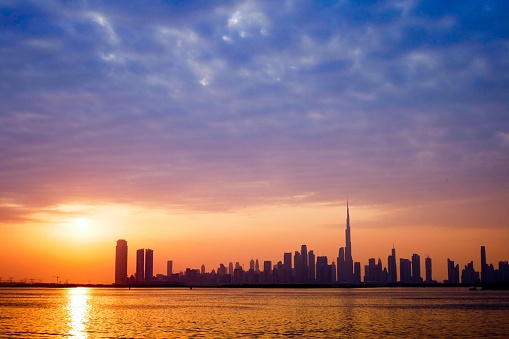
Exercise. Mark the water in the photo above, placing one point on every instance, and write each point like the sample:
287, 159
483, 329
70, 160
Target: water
261, 313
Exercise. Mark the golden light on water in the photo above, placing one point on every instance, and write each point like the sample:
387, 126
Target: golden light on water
78, 309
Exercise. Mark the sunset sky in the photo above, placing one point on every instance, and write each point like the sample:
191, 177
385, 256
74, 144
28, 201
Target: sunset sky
218, 131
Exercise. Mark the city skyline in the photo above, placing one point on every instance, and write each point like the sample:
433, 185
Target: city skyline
208, 131
308, 269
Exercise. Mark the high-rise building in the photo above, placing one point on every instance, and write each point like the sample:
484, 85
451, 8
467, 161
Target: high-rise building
469, 275
149, 265
304, 268
311, 267
405, 271
140, 265
287, 268
357, 272
297, 262
121, 262
429, 272
483, 265
416, 269
169, 268
345, 260
267, 272
453, 272
392, 268
323, 271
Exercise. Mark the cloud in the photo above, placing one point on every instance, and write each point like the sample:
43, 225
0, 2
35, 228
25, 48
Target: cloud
232, 104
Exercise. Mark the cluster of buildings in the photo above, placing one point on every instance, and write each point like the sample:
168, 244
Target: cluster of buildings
305, 268
469, 275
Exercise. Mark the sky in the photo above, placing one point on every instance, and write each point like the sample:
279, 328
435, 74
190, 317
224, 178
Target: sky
218, 131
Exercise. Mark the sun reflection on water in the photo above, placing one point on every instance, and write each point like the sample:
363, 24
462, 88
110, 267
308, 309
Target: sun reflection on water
78, 309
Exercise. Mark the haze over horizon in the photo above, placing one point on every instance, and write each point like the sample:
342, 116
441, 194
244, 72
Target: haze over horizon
223, 131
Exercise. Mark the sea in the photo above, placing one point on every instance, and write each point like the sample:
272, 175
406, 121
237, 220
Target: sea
253, 313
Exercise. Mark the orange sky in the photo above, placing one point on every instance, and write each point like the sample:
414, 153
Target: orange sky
77, 242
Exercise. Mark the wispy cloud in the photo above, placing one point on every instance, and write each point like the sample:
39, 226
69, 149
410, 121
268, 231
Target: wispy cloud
199, 103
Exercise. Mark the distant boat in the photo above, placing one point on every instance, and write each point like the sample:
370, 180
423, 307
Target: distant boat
472, 288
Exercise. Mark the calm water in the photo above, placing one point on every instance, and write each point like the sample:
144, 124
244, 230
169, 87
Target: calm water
231, 313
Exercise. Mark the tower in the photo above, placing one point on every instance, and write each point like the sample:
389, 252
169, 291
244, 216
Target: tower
393, 273
345, 262
149, 265
484, 271
416, 269
121, 262
140, 265
304, 258
169, 268
429, 272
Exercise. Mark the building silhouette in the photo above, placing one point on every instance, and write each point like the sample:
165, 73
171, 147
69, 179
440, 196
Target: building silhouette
169, 268
121, 262
453, 275
374, 273
312, 267
304, 268
405, 271
429, 270
140, 265
345, 265
392, 267
469, 275
149, 265
416, 269
484, 268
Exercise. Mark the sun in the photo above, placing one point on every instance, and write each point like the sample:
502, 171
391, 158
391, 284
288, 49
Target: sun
81, 224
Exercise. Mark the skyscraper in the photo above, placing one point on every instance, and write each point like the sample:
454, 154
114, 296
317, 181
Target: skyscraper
453, 272
304, 268
149, 265
429, 272
169, 268
405, 271
416, 269
312, 269
393, 273
287, 268
345, 260
483, 265
121, 262
140, 265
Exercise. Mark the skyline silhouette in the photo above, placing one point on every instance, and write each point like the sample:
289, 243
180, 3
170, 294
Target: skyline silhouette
308, 269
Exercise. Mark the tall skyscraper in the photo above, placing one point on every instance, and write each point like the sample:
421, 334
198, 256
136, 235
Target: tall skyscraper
393, 270
287, 268
405, 271
312, 269
304, 269
169, 268
149, 265
267, 272
416, 269
483, 265
345, 260
297, 263
429, 272
453, 272
121, 262
140, 265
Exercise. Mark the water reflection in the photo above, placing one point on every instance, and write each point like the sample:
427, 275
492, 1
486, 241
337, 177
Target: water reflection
78, 309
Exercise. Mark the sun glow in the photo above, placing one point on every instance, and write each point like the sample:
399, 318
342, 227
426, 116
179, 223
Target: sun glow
81, 224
